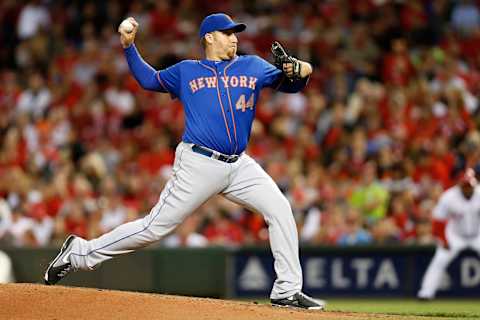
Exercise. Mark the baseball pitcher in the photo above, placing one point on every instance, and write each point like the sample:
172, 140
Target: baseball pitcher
456, 224
219, 94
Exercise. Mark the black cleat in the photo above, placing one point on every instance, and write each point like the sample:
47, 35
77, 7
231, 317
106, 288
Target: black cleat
299, 300
60, 266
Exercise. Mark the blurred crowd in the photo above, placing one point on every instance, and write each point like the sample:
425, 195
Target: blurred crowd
389, 119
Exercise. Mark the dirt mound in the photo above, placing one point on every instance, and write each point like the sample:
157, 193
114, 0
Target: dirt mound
33, 301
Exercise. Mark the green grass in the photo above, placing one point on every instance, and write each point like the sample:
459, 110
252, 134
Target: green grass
438, 309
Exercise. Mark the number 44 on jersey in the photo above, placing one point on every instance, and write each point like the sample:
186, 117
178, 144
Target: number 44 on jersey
241, 105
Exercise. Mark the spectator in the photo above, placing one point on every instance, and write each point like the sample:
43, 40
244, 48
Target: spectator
5, 218
371, 197
33, 17
397, 66
35, 99
385, 232
383, 95
402, 218
223, 231
465, 16
354, 233
187, 235
311, 225
423, 232
361, 51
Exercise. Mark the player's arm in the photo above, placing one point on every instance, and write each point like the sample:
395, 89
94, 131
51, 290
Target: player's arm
292, 85
142, 71
438, 231
305, 69
291, 73
439, 220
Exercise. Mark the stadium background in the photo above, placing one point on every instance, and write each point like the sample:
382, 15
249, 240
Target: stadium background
389, 119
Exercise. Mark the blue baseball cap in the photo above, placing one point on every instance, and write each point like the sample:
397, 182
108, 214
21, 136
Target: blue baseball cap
219, 22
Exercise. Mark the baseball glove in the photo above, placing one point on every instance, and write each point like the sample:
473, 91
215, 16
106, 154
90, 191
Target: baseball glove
282, 58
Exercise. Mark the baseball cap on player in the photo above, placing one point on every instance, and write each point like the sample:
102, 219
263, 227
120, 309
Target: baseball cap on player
219, 22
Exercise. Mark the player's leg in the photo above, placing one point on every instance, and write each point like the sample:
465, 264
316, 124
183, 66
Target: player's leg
252, 187
436, 268
195, 179
475, 244
438, 265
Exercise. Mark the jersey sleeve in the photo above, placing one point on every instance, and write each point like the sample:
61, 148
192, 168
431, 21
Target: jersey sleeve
271, 75
275, 79
169, 79
142, 71
441, 210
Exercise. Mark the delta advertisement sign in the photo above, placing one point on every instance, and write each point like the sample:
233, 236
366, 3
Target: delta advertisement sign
394, 275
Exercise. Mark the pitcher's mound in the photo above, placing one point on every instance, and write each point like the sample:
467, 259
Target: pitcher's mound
34, 301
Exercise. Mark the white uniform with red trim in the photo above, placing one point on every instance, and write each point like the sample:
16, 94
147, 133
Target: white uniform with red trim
462, 231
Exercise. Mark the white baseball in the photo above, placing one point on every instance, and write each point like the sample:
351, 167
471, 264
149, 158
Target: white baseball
126, 26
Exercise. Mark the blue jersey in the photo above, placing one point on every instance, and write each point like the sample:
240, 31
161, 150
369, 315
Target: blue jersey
219, 97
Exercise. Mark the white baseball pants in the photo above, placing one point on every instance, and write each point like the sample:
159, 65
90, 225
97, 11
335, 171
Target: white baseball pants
441, 260
195, 179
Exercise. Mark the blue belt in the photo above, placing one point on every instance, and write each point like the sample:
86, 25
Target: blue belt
215, 155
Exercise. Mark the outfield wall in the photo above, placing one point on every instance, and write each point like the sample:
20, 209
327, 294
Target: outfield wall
248, 272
